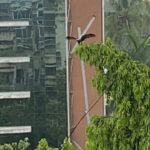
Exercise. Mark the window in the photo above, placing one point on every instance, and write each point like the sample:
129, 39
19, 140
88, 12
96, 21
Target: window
50, 70
36, 75
6, 78
51, 92
19, 76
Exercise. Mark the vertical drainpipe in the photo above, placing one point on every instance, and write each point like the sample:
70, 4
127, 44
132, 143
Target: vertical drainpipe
86, 100
103, 39
103, 17
67, 68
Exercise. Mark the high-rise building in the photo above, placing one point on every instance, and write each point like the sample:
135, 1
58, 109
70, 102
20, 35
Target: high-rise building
126, 23
33, 71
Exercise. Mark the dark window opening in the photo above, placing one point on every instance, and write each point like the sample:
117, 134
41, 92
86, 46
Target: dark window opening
36, 78
50, 70
51, 92
58, 58
19, 76
6, 77
109, 109
40, 5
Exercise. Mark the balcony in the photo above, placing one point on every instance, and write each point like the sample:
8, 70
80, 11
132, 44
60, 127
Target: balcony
15, 130
14, 23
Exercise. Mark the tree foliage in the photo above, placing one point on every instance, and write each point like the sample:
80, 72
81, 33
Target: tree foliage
42, 145
126, 23
21, 145
67, 145
127, 85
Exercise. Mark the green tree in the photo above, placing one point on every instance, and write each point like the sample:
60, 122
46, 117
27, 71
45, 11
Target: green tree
21, 145
67, 145
127, 83
126, 23
43, 145
6, 147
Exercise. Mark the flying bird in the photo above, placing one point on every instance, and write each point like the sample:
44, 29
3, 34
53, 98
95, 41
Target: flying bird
82, 38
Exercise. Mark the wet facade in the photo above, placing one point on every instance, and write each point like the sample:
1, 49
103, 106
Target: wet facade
33, 95
87, 17
126, 22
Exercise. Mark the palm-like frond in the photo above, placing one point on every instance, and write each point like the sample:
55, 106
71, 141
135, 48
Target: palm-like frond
128, 26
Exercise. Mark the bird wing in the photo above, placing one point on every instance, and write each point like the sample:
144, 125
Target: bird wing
85, 36
71, 38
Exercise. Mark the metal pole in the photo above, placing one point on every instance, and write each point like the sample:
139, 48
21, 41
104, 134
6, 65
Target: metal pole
84, 85
67, 68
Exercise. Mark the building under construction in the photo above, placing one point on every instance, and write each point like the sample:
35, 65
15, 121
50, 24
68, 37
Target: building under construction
33, 71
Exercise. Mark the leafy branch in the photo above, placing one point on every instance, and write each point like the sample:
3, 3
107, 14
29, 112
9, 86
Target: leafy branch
127, 84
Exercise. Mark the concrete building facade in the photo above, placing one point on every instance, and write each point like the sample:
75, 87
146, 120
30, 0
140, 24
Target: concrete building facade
105, 18
33, 71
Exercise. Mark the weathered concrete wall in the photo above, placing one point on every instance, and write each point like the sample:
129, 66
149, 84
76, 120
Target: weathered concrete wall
80, 13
